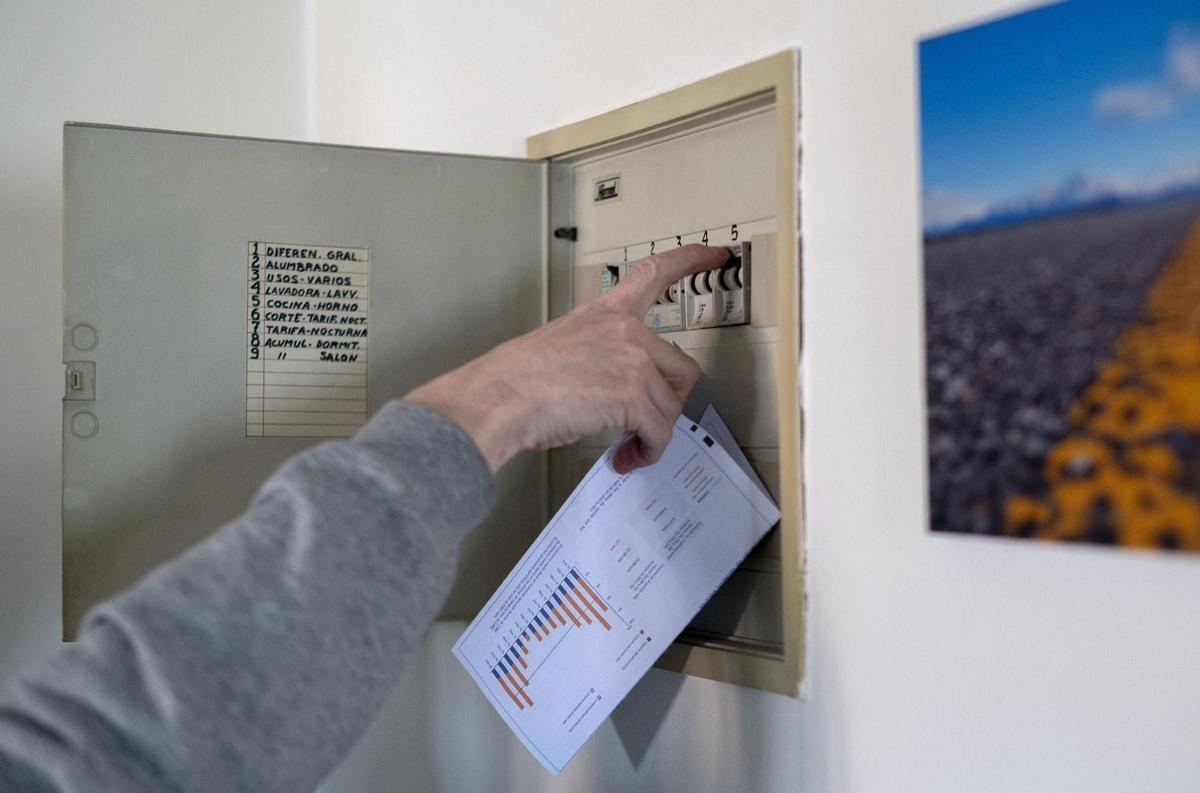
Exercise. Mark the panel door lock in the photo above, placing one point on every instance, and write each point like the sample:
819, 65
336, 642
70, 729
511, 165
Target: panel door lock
80, 383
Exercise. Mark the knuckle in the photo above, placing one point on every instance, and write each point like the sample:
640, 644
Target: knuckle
593, 306
651, 419
633, 359
610, 328
629, 328
676, 407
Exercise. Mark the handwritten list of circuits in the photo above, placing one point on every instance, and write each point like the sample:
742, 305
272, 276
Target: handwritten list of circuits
306, 340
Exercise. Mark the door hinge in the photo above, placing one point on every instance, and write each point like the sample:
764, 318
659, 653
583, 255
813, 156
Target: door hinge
80, 381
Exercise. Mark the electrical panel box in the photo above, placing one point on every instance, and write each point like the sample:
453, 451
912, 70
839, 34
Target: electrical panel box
229, 301
715, 163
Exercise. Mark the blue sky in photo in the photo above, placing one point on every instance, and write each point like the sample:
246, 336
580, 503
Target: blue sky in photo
1061, 106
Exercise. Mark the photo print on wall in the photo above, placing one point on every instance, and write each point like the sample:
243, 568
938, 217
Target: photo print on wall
1061, 217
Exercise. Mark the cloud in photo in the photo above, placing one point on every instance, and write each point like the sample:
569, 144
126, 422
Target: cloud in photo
1151, 99
946, 211
1183, 61
1141, 101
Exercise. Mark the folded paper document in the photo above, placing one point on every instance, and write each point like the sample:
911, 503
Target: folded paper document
622, 568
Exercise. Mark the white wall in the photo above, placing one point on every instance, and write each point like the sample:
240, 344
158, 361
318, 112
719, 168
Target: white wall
215, 66
937, 663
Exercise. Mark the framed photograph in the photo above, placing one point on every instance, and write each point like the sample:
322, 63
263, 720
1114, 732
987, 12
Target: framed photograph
1060, 160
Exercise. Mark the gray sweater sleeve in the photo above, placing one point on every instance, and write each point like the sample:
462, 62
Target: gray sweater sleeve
254, 661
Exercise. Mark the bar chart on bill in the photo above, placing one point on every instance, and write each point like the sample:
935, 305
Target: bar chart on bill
572, 603
621, 568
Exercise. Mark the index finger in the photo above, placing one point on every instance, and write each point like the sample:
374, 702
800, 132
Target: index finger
651, 276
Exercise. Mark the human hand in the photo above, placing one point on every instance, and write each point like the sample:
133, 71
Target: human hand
596, 368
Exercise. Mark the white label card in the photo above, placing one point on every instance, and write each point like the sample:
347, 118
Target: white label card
306, 339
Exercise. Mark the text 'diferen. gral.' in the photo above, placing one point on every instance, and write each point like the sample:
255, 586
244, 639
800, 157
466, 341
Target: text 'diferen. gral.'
306, 340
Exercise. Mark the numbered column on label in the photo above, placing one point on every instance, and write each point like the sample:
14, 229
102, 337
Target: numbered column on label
307, 340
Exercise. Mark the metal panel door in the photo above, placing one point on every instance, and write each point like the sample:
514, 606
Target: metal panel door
169, 398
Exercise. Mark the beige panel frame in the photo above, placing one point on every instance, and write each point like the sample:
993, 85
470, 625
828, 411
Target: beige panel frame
779, 76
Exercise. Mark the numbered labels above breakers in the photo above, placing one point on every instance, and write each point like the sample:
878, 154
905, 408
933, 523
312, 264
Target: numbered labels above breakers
717, 298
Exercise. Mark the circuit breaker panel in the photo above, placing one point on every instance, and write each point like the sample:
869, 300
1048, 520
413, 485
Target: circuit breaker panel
230, 302
713, 163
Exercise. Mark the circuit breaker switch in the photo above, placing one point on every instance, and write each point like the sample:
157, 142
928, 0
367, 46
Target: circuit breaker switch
666, 314
610, 276
672, 294
699, 301
730, 276
733, 288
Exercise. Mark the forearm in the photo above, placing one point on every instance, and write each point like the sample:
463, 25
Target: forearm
254, 661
